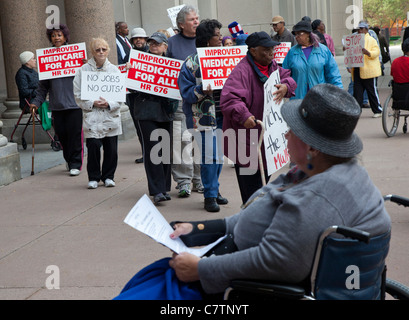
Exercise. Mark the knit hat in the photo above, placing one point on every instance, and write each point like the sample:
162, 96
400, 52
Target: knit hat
241, 39
26, 56
235, 29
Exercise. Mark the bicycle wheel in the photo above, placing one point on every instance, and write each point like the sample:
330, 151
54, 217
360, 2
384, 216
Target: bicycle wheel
397, 290
390, 118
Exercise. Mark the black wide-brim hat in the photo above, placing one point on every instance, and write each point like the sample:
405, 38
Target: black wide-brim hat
326, 119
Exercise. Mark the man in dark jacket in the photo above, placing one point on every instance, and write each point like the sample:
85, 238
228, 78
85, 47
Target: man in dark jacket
122, 43
27, 79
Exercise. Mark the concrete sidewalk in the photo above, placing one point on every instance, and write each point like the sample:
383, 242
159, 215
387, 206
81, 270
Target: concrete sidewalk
52, 219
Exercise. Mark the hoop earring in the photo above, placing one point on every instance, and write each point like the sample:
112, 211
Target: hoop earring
309, 165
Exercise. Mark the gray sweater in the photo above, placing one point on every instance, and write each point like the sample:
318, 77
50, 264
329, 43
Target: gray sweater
61, 93
277, 233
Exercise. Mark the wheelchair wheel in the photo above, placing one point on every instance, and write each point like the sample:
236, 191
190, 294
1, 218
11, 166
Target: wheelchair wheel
397, 290
390, 118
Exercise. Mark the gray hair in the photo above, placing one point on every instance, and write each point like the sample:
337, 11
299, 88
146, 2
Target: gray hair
181, 17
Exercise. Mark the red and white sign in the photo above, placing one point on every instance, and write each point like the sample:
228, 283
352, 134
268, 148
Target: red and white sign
354, 44
53, 63
281, 51
154, 74
217, 63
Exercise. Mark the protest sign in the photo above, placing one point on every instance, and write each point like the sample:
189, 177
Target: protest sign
172, 14
217, 63
154, 74
275, 143
354, 43
53, 63
97, 85
281, 51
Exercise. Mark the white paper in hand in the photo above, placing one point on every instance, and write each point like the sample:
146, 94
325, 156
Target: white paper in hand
146, 218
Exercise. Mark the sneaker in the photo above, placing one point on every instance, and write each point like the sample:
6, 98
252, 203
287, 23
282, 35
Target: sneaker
377, 115
198, 187
74, 172
168, 197
184, 191
210, 204
92, 185
159, 198
109, 183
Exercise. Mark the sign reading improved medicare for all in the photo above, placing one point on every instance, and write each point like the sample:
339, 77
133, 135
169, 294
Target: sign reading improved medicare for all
354, 43
97, 85
53, 63
154, 74
275, 143
281, 51
217, 63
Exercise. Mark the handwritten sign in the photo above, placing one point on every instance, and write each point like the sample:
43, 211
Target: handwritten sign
275, 143
110, 86
154, 74
353, 44
173, 13
281, 51
217, 63
53, 63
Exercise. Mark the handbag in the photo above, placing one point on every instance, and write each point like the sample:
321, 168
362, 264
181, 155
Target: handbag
45, 116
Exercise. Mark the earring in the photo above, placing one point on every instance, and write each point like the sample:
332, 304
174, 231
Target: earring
309, 165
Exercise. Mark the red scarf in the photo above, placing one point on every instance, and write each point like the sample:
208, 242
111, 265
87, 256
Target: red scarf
263, 69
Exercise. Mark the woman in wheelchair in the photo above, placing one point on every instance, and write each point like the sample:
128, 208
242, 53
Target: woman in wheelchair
400, 66
276, 233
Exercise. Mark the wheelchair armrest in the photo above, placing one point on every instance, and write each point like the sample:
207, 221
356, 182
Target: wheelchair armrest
397, 199
265, 288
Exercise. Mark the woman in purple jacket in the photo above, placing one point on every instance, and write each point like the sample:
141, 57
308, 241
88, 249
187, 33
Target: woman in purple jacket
242, 104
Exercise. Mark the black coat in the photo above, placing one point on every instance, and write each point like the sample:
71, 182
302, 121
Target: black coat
27, 83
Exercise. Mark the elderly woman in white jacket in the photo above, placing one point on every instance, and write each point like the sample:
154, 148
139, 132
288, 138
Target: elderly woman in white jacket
102, 121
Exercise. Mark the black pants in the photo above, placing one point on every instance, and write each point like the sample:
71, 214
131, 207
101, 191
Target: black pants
248, 184
110, 162
158, 173
360, 85
68, 128
130, 102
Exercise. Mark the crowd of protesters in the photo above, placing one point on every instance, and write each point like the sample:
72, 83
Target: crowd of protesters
309, 62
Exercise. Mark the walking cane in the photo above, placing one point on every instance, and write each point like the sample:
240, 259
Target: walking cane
33, 114
260, 154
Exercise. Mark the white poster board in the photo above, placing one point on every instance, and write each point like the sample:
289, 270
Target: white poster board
53, 63
154, 74
354, 43
173, 13
97, 85
275, 143
217, 63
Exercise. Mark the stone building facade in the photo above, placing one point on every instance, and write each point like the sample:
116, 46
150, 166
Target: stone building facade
23, 26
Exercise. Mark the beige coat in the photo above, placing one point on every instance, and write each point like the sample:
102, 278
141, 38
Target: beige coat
372, 65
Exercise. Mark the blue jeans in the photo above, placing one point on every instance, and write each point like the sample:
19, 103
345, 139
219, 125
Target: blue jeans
211, 159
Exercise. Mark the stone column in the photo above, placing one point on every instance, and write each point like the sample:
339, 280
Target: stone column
91, 19
23, 29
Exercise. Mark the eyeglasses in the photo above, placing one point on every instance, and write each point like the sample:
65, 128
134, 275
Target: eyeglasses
299, 34
101, 50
